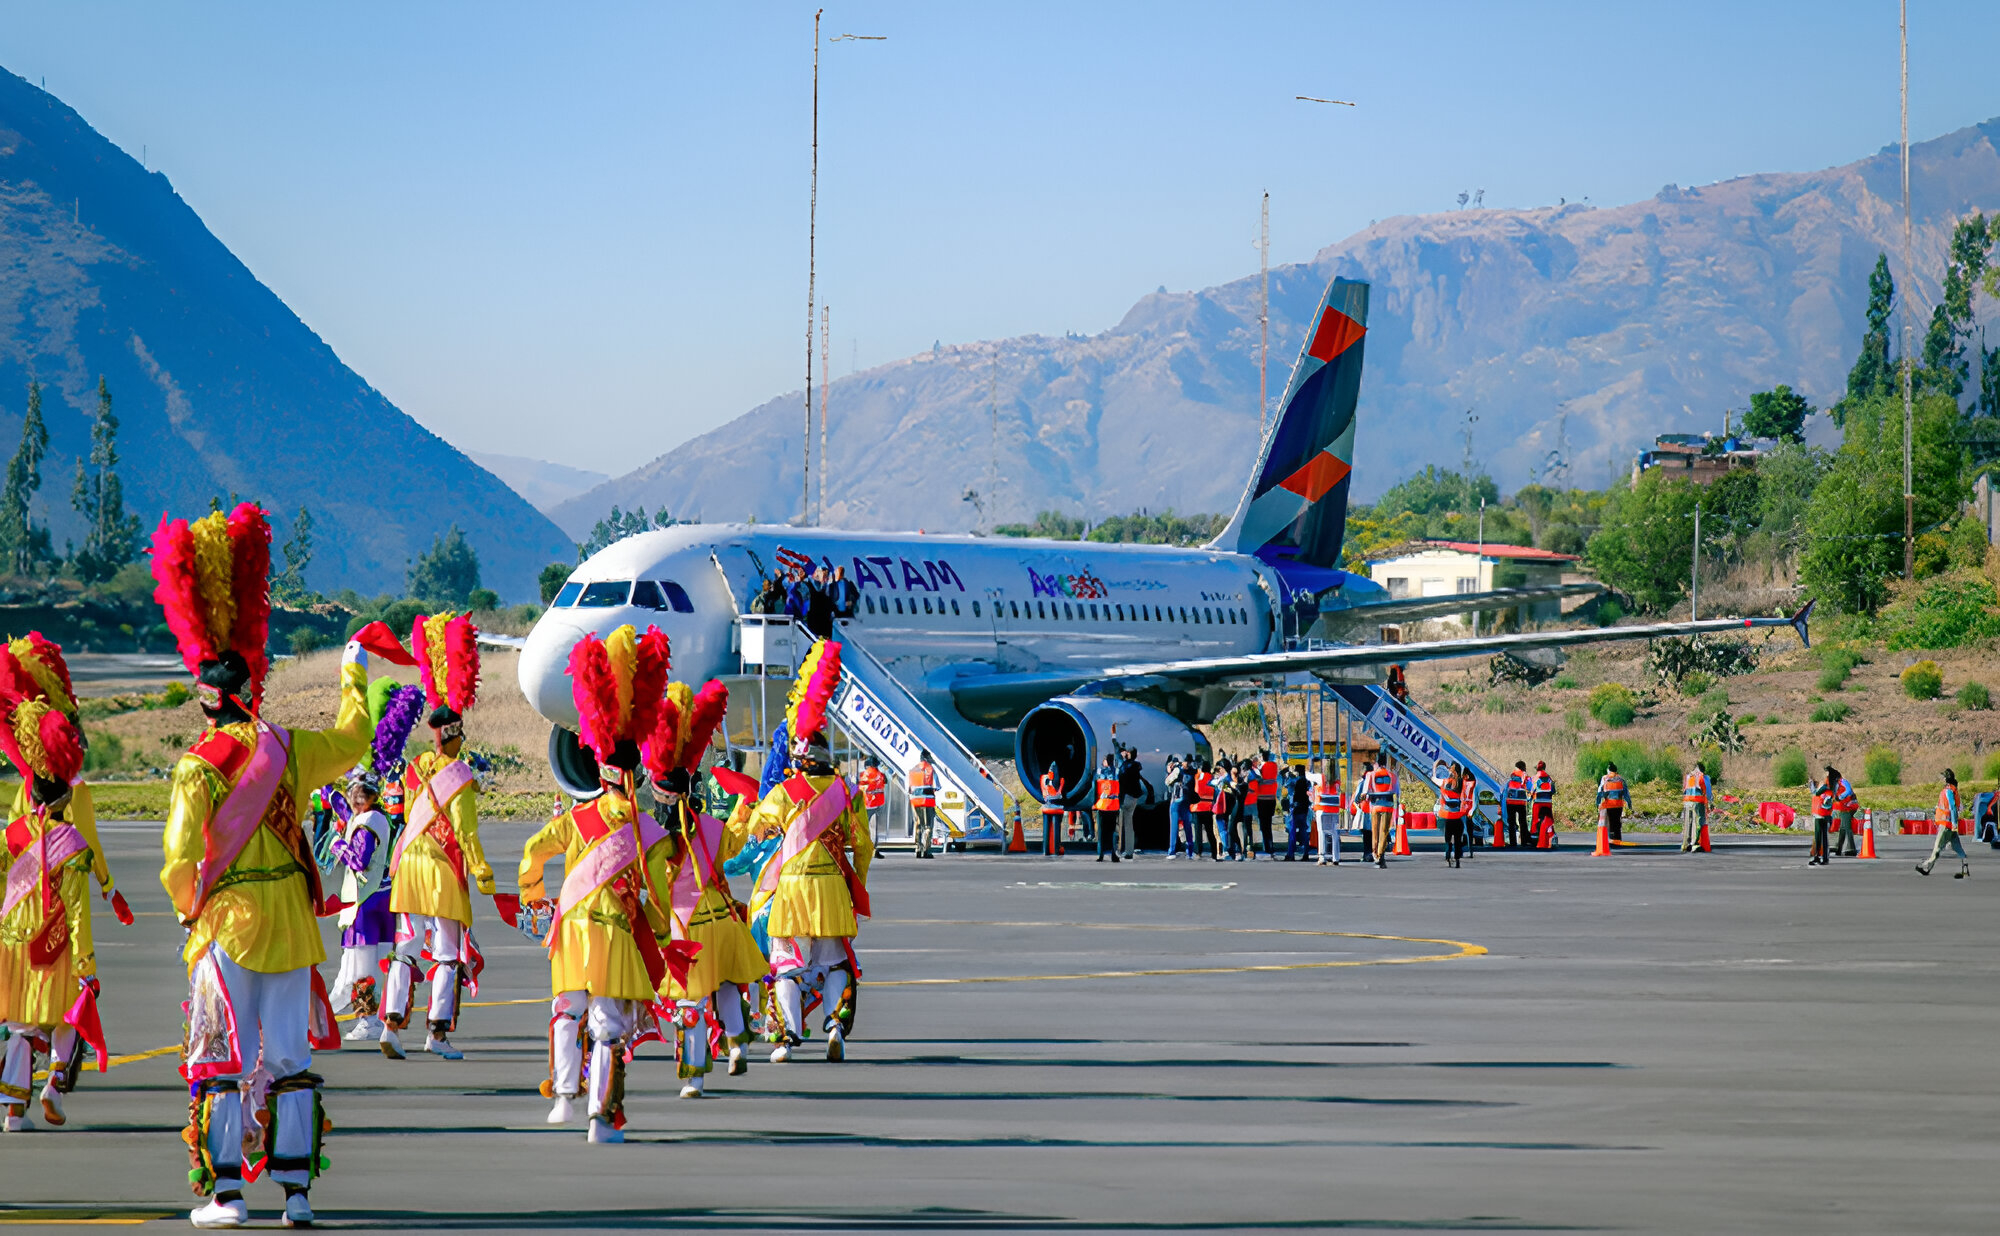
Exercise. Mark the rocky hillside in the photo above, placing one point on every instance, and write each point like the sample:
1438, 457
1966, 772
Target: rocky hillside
220, 388
1590, 329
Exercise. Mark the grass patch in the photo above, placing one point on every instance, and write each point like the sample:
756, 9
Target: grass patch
1923, 681
1883, 766
1974, 697
1638, 764
1832, 710
1788, 767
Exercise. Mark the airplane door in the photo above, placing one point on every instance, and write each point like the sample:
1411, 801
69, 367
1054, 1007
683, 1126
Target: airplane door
743, 571
996, 598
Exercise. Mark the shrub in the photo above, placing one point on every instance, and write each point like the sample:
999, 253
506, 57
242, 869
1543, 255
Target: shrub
1496, 703
1711, 763
1788, 767
1617, 715
1993, 767
1609, 612
1717, 730
1671, 660
1712, 701
305, 640
1593, 757
1923, 681
1610, 700
1834, 666
1565, 683
1574, 719
105, 753
1946, 614
175, 695
1832, 710
1748, 718
1883, 766
1697, 683
1242, 720
1973, 695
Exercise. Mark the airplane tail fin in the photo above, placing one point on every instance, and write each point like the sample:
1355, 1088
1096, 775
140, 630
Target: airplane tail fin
1800, 619
1295, 507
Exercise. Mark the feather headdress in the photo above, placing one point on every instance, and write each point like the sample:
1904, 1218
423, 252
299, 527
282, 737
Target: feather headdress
687, 723
618, 683
213, 581
812, 691
447, 653
395, 710
41, 735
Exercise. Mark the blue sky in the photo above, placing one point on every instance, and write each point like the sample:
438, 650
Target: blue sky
581, 237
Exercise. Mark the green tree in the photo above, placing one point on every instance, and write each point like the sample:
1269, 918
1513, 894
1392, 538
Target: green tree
1645, 546
1945, 367
1874, 371
1436, 490
1779, 413
446, 573
111, 537
553, 577
618, 525
290, 584
1787, 478
27, 545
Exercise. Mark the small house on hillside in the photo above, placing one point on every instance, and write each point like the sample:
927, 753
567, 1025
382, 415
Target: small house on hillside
1445, 568
1700, 457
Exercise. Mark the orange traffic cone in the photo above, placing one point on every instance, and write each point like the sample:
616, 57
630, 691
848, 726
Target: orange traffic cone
1603, 838
1402, 836
1500, 830
1019, 845
1867, 835
1704, 835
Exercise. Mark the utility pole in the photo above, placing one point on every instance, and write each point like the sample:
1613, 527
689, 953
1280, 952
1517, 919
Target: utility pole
1479, 566
812, 291
825, 380
1909, 286
993, 458
1694, 575
1264, 320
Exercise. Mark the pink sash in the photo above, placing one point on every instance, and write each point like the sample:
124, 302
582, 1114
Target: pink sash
820, 814
235, 821
429, 806
63, 842
602, 862
698, 872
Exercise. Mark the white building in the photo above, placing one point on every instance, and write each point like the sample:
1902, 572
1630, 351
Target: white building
1445, 568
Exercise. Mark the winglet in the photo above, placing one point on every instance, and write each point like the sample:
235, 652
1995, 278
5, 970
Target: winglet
1798, 621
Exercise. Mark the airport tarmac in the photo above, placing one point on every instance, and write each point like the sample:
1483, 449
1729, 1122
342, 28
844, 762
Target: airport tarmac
1537, 1042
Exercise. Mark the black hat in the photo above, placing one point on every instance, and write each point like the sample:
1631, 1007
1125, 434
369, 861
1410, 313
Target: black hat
624, 756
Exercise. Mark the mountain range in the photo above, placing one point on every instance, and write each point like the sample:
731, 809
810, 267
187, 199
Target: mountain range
1574, 334
219, 388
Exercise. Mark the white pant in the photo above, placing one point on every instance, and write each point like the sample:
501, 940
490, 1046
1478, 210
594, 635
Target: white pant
17, 1066
357, 962
272, 1012
694, 1039
609, 1022
808, 961
1329, 837
447, 936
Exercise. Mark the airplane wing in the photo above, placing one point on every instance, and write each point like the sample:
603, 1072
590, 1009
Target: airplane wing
1411, 609
501, 643
987, 698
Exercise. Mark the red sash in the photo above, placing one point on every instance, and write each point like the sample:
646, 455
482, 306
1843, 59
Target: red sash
256, 775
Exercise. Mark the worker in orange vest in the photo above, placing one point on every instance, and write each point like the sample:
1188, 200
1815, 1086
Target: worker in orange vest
1515, 827
1106, 807
1822, 818
1452, 806
1203, 810
1382, 786
874, 795
923, 801
1694, 809
1946, 816
1845, 804
1052, 813
1267, 797
1543, 787
1329, 803
1613, 800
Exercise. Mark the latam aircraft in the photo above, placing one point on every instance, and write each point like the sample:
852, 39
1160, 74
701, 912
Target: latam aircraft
1019, 646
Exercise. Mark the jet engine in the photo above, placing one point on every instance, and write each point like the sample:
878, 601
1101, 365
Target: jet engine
575, 768
1074, 732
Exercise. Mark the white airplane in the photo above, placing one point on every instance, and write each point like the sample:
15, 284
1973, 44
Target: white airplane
1035, 648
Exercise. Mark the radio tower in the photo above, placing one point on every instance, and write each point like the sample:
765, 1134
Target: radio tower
1264, 319
825, 380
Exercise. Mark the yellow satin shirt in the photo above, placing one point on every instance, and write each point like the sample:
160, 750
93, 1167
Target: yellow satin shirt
811, 898
591, 948
40, 997
425, 882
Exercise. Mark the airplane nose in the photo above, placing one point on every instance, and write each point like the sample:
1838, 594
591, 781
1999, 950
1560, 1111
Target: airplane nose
543, 669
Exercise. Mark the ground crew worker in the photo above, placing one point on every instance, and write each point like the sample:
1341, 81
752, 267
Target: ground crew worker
923, 801
1822, 818
1451, 814
1515, 828
1298, 813
1694, 809
1381, 808
874, 795
1946, 816
1362, 819
1544, 789
1613, 800
1267, 798
1052, 813
1106, 807
1845, 804
1331, 804
1227, 795
1132, 793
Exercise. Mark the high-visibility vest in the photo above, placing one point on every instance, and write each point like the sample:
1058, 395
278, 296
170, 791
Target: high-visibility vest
1611, 789
1381, 788
1843, 796
923, 786
1107, 793
1450, 802
1545, 788
1328, 799
1246, 785
1201, 794
1947, 807
1267, 782
1517, 787
1822, 802
874, 787
1220, 786
1695, 788
1052, 788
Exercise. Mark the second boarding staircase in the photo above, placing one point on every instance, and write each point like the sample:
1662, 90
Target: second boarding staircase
1421, 743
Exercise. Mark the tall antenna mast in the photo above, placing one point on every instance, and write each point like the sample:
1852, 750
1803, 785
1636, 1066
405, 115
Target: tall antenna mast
812, 273
1470, 421
1264, 319
825, 380
993, 459
1909, 286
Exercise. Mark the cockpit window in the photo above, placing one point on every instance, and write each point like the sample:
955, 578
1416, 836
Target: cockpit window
567, 597
646, 595
677, 597
604, 594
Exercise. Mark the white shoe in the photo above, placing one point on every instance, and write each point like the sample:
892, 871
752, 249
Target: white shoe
19, 1124
221, 1214
781, 1053
739, 1063
298, 1210
364, 1027
602, 1131
441, 1046
836, 1044
52, 1108
564, 1111
391, 1046
692, 1089
1172, 857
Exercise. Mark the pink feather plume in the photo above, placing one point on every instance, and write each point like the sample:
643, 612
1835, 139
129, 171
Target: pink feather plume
63, 744
461, 656
595, 688
658, 752
711, 705
177, 592
250, 554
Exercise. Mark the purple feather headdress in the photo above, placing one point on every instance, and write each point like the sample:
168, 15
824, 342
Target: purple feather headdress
399, 717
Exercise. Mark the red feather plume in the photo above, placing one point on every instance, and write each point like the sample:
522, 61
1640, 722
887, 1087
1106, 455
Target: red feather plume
64, 745
461, 656
12, 750
658, 753
16, 684
711, 705
649, 682
420, 648
250, 573
819, 691
51, 654
595, 688
177, 592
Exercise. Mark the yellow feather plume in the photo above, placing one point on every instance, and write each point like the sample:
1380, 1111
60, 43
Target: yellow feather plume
27, 722
43, 673
621, 649
215, 570
434, 647
682, 696
798, 692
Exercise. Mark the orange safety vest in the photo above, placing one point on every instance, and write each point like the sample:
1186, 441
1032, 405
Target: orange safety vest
1612, 789
1843, 796
1267, 779
874, 787
1381, 787
1545, 788
1822, 803
1052, 788
1451, 803
1107, 793
1947, 807
1329, 799
1517, 787
1695, 788
1202, 804
923, 786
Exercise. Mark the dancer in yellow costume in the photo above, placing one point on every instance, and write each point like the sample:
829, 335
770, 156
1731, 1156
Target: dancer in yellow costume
810, 889
439, 850
715, 992
48, 961
240, 870
609, 946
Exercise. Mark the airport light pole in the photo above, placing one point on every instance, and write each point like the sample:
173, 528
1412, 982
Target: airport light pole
1910, 285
